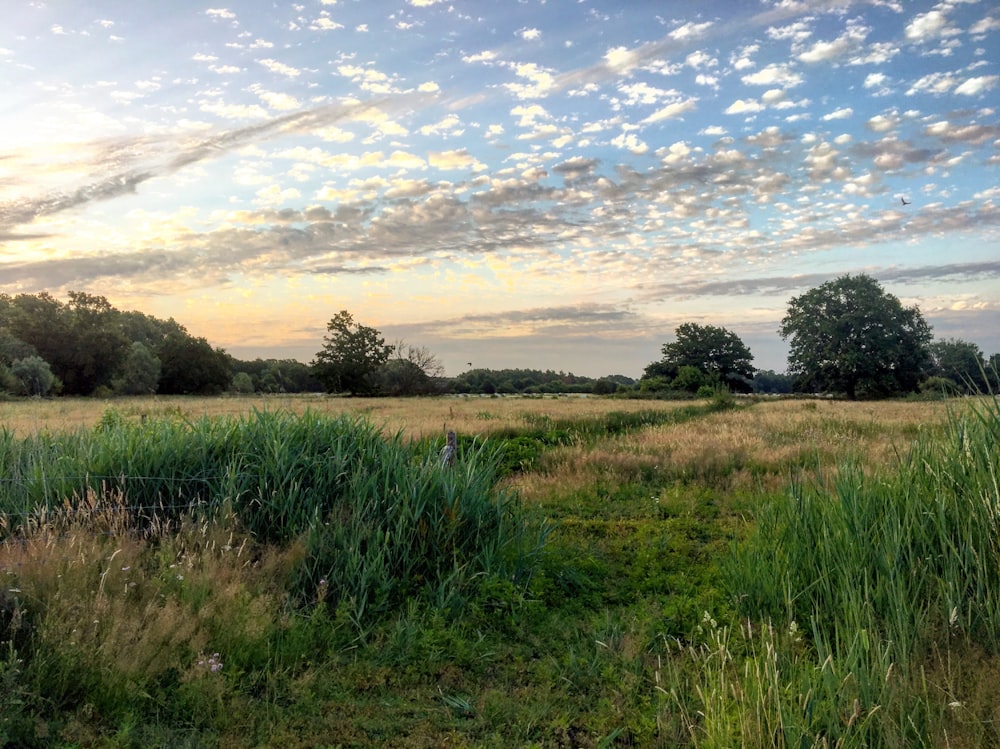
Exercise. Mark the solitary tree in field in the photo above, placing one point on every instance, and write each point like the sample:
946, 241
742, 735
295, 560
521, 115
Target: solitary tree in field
716, 352
351, 355
850, 336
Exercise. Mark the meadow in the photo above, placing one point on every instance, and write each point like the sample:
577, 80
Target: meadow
307, 571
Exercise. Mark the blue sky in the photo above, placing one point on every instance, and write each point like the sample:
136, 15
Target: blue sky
547, 184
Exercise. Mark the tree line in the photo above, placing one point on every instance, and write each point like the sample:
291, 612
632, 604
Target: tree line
847, 337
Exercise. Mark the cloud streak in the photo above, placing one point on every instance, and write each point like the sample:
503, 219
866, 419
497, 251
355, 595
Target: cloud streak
180, 155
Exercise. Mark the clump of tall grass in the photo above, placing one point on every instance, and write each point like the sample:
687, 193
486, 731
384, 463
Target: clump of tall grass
381, 519
889, 570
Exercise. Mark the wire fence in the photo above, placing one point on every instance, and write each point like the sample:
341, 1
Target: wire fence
74, 497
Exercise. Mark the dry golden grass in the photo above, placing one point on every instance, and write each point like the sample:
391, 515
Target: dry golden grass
757, 447
140, 601
415, 417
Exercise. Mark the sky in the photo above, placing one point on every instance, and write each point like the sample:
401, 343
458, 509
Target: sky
543, 184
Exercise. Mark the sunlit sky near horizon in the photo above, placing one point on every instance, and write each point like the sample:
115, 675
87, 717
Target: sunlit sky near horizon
527, 183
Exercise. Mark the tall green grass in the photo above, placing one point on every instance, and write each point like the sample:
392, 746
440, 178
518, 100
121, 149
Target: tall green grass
382, 520
884, 576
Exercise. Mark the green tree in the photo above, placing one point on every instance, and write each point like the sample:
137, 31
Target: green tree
412, 370
12, 349
191, 366
351, 356
961, 362
850, 336
242, 383
146, 329
716, 352
690, 379
768, 381
141, 371
96, 347
34, 375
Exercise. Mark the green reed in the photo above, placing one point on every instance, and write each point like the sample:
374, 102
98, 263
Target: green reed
381, 519
884, 572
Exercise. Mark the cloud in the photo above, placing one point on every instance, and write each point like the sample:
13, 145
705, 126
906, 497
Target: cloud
978, 85
177, 154
672, 111
277, 101
927, 26
776, 74
849, 42
529, 34
325, 23
839, 114
456, 159
745, 106
629, 142
279, 67
485, 56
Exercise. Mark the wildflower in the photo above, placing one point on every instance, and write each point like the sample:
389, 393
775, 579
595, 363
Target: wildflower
212, 663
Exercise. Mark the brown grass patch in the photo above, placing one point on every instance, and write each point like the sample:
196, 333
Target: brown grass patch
415, 417
759, 447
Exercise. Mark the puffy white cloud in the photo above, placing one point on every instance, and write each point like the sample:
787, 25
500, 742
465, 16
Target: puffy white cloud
457, 159
528, 115
985, 25
779, 74
875, 80
277, 101
279, 67
839, 114
882, 123
629, 142
977, 85
325, 23
529, 34
690, 30
933, 83
929, 25
484, 56
745, 106
622, 59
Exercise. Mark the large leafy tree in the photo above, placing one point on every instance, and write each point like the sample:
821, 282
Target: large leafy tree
80, 340
351, 356
141, 371
716, 352
850, 336
33, 375
191, 366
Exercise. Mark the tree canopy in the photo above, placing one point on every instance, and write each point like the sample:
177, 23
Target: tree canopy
718, 355
351, 356
850, 336
960, 362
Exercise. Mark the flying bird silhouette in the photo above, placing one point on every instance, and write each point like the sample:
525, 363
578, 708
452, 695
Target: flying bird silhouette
905, 201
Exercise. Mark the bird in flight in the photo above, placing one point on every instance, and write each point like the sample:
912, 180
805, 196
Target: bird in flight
905, 201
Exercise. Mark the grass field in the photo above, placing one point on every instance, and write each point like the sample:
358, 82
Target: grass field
591, 573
